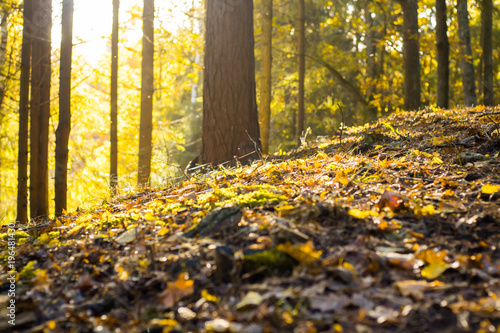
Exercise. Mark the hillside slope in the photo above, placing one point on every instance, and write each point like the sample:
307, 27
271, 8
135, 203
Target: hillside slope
397, 229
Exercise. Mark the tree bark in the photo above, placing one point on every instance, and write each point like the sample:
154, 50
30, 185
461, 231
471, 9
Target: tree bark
24, 91
411, 54
443, 55
487, 58
147, 91
40, 107
64, 127
266, 74
302, 72
466, 64
113, 156
230, 126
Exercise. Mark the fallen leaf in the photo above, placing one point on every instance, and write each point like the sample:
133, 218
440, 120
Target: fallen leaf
490, 189
251, 299
128, 236
175, 291
433, 271
393, 201
303, 253
414, 288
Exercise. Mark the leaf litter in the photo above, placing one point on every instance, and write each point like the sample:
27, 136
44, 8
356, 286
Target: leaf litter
396, 228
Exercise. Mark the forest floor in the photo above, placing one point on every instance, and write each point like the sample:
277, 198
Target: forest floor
397, 229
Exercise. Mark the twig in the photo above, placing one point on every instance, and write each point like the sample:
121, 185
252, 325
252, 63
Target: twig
341, 124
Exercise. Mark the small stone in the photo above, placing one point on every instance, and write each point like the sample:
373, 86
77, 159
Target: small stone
217, 325
185, 314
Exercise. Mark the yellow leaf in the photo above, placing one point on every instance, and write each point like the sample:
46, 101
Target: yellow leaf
303, 253
359, 214
348, 266
344, 180
490, 189
427, 210
321, 156
434, 270
208, 297
44, 238
168, 322
183, 283
431, 257
437, 160
51, 325
163, 231
448, 193
122, 272
150, 217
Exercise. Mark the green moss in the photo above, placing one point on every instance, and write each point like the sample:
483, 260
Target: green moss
18, 234
248, 196
28, 272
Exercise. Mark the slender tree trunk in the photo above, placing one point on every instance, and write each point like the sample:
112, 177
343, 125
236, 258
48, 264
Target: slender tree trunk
466, 64
487, 58
40, 107
371, 47
443, 55
230, 126
266, 73
302, 72
411, 54
4, 36
64, 127
24, 91
147, 91
113, 156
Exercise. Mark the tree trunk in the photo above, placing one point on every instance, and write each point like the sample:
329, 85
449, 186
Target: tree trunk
443, 54
466, 64
302, 72
4, 36
40, 107
230, 126
411, 54
371, 47
24, 96
266, 73
64, 127
113, 156
147, 91
487, 45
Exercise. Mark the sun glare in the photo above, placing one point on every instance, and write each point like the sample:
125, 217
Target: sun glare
92, 23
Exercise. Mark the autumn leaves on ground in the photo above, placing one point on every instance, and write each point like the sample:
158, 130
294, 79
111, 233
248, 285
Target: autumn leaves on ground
396, 229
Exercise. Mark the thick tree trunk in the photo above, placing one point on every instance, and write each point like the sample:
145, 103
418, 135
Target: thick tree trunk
64, 127
230, 125
147, 91
265, 74
40, 108
302, 72
487, 45
113, 156
24, 91
443, 54
466, 64
411, 54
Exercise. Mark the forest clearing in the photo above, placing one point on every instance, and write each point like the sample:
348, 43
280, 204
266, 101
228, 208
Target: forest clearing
395, 229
